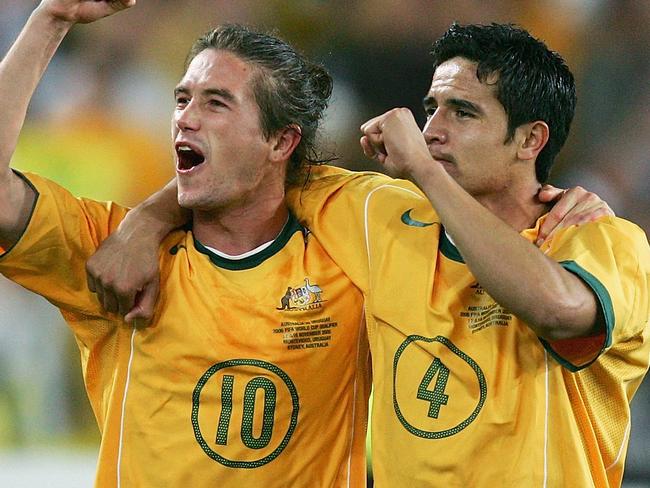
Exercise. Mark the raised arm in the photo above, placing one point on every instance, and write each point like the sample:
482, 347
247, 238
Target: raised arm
555, 303
20, 72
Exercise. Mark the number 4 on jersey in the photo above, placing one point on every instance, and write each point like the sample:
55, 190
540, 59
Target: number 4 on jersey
437, 396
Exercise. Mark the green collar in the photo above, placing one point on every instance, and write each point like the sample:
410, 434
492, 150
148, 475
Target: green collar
448, 249
249, 262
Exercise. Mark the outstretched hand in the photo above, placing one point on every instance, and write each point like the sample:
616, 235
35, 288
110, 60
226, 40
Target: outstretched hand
83, 11
572, 207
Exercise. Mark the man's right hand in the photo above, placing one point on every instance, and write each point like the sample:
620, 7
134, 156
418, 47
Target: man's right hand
83, 11
124, 271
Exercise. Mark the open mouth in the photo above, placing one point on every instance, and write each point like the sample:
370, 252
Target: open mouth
188, 157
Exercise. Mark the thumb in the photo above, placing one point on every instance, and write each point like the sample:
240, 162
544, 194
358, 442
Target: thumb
145, 302
549, 193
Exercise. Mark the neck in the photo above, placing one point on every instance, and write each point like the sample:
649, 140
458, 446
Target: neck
517, 205
239, 230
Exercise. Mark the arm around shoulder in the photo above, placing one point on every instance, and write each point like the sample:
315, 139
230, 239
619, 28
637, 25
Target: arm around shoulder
612, 258
124, 271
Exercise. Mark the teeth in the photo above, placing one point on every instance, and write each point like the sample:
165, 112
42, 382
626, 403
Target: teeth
184, 148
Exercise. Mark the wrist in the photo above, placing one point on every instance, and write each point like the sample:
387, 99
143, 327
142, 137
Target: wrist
424, 170
51, 21
139, 223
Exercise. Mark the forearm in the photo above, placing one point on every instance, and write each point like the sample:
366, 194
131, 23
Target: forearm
20, 72
555, 303
157, 216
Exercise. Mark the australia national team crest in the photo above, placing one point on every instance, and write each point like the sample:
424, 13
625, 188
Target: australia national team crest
304, 296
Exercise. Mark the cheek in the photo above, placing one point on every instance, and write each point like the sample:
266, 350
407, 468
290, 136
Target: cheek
235, 155
489, 146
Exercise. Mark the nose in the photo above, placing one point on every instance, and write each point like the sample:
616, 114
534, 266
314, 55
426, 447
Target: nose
187, 118
434, 130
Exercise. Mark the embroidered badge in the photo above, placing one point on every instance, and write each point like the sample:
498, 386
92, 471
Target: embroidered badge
306, 296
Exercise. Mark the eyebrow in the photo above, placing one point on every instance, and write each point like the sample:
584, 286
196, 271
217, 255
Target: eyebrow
430, 101
220, 92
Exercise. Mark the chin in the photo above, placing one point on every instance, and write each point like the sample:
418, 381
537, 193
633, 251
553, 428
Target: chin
197, 203
187, 201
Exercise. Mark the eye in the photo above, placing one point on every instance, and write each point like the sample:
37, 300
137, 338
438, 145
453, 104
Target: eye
216, 103
430, 111
463, 114
181, 101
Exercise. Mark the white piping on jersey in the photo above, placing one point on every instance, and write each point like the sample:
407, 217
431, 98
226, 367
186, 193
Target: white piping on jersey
621, 449
240, 256
259, 248
365, 225
354, 392
122, 414
449, 238
546, 413
365, 212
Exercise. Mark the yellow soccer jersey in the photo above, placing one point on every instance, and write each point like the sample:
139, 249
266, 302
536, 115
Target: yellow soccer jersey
254, 373
465, 394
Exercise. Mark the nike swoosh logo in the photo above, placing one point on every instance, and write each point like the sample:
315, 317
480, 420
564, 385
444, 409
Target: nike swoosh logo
406, 218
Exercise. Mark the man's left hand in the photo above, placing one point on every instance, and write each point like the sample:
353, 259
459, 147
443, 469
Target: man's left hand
572, 207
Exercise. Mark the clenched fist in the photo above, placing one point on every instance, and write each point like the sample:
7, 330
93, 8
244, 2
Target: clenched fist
83, 11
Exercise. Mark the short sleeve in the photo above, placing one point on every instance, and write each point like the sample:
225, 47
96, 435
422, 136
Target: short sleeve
612, 257
62, 233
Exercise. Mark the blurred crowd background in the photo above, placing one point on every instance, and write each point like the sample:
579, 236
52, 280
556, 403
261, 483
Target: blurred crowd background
100, 125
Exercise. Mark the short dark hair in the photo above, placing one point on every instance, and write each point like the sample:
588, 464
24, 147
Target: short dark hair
534, 83
288, 88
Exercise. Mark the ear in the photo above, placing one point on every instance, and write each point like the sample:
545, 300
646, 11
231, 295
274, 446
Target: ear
531, 138
284, 142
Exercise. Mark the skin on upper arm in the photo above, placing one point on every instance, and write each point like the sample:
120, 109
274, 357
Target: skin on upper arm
17, 200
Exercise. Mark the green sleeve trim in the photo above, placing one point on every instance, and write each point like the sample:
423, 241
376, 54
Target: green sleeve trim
292, 226
607, 308
31, 212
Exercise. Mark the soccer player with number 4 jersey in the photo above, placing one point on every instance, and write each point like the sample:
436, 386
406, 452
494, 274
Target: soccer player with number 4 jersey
495, 363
